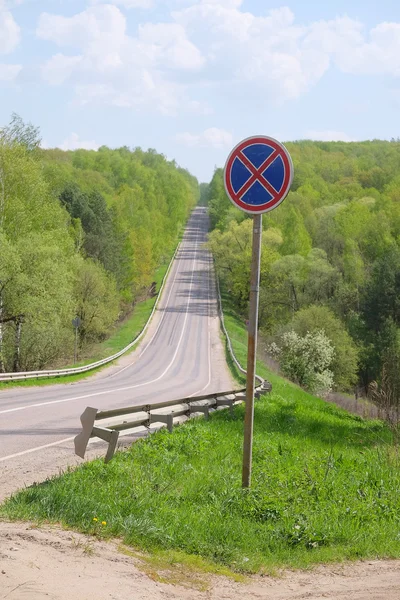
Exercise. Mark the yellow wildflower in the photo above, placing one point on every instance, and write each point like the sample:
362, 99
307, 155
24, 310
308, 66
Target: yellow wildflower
104, 523
95, 519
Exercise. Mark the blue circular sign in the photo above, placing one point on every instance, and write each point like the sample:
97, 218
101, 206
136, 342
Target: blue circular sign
258, 174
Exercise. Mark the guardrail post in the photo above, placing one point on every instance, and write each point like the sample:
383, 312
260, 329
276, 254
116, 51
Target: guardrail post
170, 422
201, 408
88, 418
117, 422
266, 387
226, 400
108, 435
81, 441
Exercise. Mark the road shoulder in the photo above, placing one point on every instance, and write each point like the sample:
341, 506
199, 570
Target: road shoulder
38, 562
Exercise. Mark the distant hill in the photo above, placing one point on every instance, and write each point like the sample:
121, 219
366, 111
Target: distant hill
332, 244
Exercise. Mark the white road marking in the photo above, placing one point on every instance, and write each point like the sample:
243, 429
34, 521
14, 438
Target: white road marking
154, 335
209, 338
123, 389
38, 448
35, 449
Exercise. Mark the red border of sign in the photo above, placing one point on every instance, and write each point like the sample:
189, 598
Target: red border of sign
287, 161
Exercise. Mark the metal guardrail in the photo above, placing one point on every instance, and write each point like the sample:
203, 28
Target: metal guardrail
109, 425
228, 340
23, 375
17, 376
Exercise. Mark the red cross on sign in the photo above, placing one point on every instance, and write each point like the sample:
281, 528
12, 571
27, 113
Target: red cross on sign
258, 174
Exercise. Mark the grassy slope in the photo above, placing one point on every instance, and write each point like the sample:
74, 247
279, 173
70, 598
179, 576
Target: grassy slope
326, 486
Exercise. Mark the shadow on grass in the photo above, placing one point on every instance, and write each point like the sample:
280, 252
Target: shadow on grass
324, 427
296, 415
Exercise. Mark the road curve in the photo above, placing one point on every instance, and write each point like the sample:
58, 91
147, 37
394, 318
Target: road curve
181, 355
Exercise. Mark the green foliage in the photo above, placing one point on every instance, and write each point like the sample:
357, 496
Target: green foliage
92, 284
380, 310
339, 240
386, 393
295, 235
306, 359
204, 194
81, 233
325, 487
232, 253
19, 133
36, 263
345, 360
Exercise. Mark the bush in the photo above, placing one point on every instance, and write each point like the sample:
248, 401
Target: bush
345, 361
306, 359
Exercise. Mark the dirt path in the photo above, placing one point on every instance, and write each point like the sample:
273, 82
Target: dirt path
39, 563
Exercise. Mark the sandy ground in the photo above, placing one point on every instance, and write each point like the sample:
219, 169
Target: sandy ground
38, 563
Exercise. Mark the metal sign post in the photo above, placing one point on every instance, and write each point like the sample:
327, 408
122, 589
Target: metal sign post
257, 177
252, 349
76, 323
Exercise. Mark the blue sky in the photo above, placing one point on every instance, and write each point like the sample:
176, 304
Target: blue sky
191, 78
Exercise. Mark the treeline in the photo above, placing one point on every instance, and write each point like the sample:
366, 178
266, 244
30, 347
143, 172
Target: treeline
330, 259
81, 234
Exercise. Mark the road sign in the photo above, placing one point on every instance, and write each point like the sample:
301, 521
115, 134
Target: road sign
76, 322
258, 174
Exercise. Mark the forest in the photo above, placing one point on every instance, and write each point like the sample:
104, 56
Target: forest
81, 234
330, 270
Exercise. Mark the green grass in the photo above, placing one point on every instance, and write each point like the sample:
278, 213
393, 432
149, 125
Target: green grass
178, 568
325, 487
122, 335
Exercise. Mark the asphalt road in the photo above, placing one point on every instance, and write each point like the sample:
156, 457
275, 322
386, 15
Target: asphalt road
181, 355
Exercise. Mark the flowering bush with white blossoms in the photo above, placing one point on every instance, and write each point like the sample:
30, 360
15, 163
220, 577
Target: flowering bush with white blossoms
306, 359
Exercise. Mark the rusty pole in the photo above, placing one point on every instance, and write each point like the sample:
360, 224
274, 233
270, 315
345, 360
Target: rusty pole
252, 350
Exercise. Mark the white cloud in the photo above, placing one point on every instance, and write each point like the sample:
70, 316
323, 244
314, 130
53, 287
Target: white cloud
264, 53
9, 72
379, 55
103, 25
207, 43
143, 93
59, 68
114, 68
199, 108
73, 142
328, 136
210, 138
126, 3
224, 3
273, 54
9, 31
169, 45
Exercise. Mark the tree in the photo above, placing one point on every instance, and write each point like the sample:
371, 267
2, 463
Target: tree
232, 253
96, 301
382, 294
345, 362
36, 263
204, 193
306, 359
293, 282
295, 235
19, 133
82, 231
